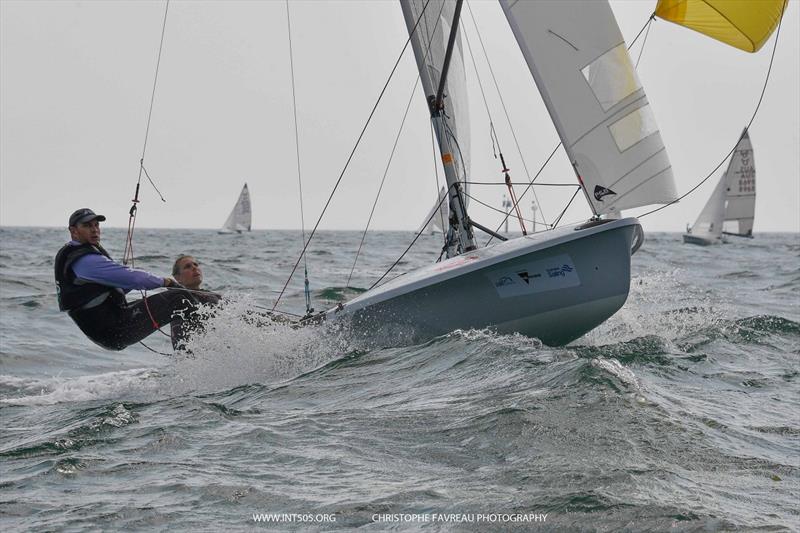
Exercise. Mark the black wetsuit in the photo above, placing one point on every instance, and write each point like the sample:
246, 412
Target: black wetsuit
187, 323
102, 312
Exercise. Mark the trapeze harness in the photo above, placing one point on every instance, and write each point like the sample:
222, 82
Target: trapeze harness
102, 313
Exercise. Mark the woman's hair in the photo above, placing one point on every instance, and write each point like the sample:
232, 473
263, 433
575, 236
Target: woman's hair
175, 268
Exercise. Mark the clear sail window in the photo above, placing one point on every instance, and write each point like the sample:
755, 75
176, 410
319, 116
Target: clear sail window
633, 127
612, 77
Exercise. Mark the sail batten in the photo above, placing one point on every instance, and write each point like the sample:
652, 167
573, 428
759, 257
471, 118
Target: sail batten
583, 71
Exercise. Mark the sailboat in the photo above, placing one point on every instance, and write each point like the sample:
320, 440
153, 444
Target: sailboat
436, 219
554, 285
240, 218
733, 200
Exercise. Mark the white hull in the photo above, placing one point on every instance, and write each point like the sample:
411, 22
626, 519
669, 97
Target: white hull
554, 285
701, 240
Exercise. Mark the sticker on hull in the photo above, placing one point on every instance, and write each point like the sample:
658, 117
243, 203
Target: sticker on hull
557, 272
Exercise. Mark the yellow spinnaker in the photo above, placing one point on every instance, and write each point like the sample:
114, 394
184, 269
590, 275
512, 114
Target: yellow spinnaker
745, 24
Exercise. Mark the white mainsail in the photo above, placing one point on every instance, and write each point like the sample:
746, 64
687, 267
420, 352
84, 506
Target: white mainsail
436, 219
577, 56
741, 184
429, 42
240, 218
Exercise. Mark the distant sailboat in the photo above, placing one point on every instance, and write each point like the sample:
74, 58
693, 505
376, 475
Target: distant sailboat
435, 222
240, 218
733, 201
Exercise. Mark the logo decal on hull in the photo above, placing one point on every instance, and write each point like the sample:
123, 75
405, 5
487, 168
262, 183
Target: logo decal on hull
551, 273
562, 271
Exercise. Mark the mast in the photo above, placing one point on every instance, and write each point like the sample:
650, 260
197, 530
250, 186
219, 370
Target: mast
459, 220
427, 23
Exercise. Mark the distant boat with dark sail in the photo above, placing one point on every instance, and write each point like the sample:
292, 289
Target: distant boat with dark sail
241, 216
731, 208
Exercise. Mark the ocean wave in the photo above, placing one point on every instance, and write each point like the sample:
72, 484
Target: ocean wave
86, 428
55, 390
754, 330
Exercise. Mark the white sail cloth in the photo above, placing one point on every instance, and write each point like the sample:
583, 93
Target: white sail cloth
577, 56
435, 220
429, 42
741, 181
241, 216
709, 223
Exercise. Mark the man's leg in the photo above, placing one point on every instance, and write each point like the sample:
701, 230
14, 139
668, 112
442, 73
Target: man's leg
141, 318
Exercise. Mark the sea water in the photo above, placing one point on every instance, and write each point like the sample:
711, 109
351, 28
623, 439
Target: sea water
681, 412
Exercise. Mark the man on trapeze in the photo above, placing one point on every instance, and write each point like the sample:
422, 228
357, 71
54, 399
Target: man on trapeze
91, 288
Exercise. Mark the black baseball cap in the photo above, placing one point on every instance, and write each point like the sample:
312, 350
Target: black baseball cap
84, 215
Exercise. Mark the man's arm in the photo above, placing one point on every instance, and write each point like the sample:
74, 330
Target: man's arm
100, 269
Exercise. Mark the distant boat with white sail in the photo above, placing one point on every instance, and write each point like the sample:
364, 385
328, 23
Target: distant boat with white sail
437, 218
241, 216
731, 208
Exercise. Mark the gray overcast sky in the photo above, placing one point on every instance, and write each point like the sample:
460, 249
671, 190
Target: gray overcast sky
76, 79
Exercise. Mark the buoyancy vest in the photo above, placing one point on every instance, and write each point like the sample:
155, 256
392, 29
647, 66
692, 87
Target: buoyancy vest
72, 293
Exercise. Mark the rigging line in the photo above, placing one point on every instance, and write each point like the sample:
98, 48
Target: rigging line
417, 236
383, 180
276, 311
505, 110
555, 224
127, 255
504, 213
644, 42
155, 351
495, 138
155, 80
530, 185
350, 157
151, 181
394, 147
306, 291
747, 128
646, 25
495, 183
480, 84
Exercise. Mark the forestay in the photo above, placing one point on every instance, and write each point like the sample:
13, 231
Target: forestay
581, 66
429, 42
741, 185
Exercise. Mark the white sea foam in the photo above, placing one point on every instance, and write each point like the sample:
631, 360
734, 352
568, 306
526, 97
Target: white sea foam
53, 390
651, 309
241, 344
